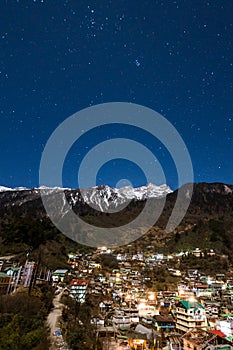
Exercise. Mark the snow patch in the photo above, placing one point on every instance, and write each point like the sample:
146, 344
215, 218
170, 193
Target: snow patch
227, 189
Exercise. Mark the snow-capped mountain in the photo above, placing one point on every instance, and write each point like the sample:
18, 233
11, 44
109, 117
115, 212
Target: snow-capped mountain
104, 197
145, 192
5, 189
99, 197
22, 212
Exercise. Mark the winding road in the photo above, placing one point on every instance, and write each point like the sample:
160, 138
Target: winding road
57, 342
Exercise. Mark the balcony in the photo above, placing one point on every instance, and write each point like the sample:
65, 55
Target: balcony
191, 318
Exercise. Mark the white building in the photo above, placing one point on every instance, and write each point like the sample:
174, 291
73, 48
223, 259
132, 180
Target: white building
190, 315
78, 289
59, 275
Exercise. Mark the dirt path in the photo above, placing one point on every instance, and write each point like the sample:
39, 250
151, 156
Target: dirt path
57, 341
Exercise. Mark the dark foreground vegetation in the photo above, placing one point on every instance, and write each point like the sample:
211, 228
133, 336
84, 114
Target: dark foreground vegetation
23, 319
76, 323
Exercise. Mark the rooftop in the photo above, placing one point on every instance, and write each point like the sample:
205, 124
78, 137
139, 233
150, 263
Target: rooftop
192, 304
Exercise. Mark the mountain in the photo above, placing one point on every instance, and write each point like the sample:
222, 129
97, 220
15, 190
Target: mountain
99, 197
208, 221
24, 223
5, 189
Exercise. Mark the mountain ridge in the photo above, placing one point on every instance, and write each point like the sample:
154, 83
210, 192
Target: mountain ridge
98, 197
208, 221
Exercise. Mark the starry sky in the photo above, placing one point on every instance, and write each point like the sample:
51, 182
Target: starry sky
58, 57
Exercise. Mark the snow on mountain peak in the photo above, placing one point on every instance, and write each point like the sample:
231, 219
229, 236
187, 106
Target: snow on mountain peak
102, 197
5, 189
144, 192
108, 198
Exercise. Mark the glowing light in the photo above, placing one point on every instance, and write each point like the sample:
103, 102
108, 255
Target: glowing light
151, 296
191, 299
142, 305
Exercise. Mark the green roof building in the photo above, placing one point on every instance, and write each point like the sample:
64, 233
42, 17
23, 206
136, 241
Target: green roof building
190, 315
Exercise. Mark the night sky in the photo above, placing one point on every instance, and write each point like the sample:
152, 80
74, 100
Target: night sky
58, 57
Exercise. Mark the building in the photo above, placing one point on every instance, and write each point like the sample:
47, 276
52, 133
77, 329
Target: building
190, 315
78, 289
208, 340
4, 283
59, 275
226, 325
146, 310
107, 337
121, 321
125, 317
164, 323
137, 341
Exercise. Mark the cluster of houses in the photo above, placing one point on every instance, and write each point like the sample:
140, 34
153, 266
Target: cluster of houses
13, 275
197, 314
133, 314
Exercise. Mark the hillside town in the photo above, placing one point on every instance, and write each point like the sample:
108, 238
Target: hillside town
138, 300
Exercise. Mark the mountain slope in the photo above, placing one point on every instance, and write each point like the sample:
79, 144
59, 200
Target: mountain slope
208, 221
100, 197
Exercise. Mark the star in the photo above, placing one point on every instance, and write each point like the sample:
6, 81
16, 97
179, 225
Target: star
174, 59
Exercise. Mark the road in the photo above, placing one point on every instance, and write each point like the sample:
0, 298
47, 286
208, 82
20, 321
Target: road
57, 342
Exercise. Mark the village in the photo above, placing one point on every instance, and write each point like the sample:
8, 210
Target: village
141, 300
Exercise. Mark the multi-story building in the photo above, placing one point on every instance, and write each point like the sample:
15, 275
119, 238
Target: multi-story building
121, 320
125, 317
78, 289
226, 326
190, 315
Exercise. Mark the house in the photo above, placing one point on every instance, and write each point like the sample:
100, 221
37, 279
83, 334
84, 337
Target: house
137, 341
12, 271
197, 252
133, 314
122, 318
107, 337
59, 275
146, 310
106, 332
190, 314
164, 323
203, 290
225, 324
174, 339
210, 340
212, 308
78, 289
121, 321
